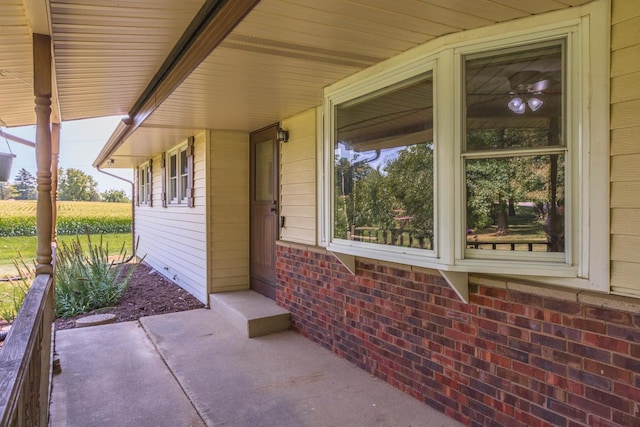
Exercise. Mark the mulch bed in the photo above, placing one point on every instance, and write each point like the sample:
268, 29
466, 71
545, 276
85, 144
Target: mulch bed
149, 293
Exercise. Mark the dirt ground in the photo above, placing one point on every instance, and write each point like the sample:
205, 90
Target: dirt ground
149, 293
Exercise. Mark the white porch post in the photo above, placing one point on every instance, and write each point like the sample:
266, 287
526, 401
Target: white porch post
42, 89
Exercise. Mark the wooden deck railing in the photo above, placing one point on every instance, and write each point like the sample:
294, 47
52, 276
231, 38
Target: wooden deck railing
508, 245
25, 359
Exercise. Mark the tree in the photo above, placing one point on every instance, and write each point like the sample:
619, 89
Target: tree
25, 185
77, 186
115, 196
7, 191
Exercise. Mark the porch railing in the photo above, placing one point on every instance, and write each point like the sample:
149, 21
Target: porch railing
25, 359
529, 246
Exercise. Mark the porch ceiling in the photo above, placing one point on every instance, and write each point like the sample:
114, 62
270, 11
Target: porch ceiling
272, 65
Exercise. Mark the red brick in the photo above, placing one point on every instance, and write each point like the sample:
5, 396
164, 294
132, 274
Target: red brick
607, 399
550, 416
626, 420
604, 342
624, 333
626, 363
561, 306
585, 324
626, 391
590, 379
589, 352
492, 292
589, 406
595, 421
608, 315
528, 370
526, 323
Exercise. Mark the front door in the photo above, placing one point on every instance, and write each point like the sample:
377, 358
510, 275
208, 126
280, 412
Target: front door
264, 211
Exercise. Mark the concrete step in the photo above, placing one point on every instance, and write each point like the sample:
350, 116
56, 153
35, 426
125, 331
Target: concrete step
251, 313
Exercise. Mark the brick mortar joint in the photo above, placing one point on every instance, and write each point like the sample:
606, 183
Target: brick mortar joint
584, 297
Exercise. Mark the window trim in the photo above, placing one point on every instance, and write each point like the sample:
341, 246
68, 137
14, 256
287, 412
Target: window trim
188, 198
145, 170
586, 29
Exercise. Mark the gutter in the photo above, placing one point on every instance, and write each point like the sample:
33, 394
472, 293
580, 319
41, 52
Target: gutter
211, 25
133, 212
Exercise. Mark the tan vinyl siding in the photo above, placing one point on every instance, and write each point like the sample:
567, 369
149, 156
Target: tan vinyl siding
173, 239
625, 147
229, 211
298, 179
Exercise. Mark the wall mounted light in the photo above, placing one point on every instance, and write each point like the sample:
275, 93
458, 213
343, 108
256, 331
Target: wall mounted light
282, 135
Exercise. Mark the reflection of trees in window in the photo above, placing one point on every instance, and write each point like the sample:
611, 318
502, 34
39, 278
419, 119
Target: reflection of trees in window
390, 204
520, 196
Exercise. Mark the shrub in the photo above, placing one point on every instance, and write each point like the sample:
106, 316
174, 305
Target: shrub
11, 300
85, 283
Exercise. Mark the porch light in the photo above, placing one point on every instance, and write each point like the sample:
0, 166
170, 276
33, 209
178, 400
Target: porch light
282, 135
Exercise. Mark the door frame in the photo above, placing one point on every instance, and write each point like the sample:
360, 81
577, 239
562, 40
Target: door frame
263, 285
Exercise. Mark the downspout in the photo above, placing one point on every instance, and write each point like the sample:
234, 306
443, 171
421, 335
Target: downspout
133, 212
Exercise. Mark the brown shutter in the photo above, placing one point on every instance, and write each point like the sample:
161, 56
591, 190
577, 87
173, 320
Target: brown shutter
163, 177
190, 178
149, 182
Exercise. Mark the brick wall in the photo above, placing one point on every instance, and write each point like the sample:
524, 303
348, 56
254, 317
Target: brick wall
507, 358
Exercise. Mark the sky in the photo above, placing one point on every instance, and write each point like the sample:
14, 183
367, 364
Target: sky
80, 144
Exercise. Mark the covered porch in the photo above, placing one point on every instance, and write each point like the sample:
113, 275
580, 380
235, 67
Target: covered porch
184, 369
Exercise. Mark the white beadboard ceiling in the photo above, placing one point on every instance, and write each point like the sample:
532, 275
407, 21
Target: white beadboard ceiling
273, 64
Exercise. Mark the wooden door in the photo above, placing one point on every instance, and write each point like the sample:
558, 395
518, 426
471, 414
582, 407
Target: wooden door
264, 211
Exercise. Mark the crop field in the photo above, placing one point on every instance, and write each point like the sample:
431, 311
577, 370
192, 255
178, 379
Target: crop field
112, 221
18, 218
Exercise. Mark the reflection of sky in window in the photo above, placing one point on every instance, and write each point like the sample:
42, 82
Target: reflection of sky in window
387, 155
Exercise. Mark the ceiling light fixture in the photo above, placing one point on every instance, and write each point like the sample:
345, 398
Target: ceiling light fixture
518, 103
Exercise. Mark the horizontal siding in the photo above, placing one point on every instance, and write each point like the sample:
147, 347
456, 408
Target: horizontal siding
173, 239
229, 211
625, 147
298, 179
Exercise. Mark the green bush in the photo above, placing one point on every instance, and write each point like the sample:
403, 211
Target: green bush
11, 299
85, 283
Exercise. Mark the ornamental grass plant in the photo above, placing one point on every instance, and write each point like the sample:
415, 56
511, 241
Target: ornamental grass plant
89, 281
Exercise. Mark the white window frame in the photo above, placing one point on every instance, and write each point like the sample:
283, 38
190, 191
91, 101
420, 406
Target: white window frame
180, 198
586, 30
144, 185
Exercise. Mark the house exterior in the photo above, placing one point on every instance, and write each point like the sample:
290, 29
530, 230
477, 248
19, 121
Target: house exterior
442, 193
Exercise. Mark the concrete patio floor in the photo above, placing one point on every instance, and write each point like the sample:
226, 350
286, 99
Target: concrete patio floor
193, 369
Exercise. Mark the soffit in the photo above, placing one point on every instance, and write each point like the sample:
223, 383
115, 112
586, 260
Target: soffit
107, 52
16, 66
274, 64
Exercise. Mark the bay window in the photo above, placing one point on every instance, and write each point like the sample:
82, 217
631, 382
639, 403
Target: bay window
485, 153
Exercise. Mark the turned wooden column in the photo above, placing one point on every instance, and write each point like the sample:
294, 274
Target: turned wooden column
55, 155
42, 89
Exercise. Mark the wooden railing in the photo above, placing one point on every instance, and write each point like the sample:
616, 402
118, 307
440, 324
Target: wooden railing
507, 245
405, 237
25, 359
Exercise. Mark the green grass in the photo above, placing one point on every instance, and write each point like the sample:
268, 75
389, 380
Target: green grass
27, 245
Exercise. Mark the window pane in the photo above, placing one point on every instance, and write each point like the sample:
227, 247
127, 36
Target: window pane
183, 187
173, 189
516, 203
383, 191
264, 171
173, 165
514, 100
183, 162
